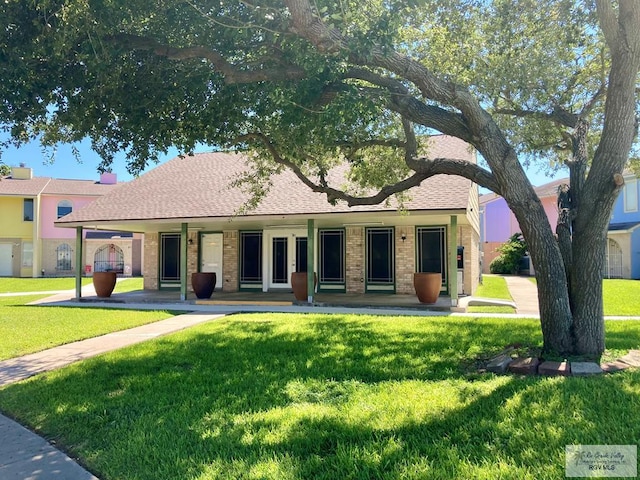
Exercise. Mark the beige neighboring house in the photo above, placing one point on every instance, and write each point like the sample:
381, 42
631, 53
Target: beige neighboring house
188, 211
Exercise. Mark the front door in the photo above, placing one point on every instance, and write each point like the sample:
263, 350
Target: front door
169, 260
287, 253
6, 259
211, 255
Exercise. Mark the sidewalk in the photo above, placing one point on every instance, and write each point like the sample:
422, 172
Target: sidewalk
525, 295
25, 455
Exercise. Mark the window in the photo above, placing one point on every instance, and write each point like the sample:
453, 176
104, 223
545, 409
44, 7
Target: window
63, 257
28, 209
430, 245
631, 195
301, 254
332, 264
64, 208
380, 256
251, 257
27, 254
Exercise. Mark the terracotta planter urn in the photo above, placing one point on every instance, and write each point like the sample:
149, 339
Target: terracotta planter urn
104, 283
299, 285
427, 286
203, 284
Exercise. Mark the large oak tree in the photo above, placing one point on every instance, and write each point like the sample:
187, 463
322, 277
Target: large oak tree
305, 85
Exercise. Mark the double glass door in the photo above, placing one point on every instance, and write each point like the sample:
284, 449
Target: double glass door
287, 254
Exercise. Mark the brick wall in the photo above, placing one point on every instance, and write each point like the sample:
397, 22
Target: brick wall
151, 260
405, 259
230, 261
49, 254
355, 268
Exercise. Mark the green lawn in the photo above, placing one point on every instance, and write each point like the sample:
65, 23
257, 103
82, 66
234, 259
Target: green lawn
493, 286
274, 396
621, 297
27, 329
17, 285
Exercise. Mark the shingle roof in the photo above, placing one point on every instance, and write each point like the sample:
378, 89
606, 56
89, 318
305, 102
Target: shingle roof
59, 186
615, 227
24, 188
52, 186
198, 186
547, 190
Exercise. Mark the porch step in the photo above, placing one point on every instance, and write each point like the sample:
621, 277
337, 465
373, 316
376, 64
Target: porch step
261, 303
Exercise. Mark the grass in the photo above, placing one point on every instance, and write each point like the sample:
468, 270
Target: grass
26, 329
17, 285
274, 396
621, 297
493, 286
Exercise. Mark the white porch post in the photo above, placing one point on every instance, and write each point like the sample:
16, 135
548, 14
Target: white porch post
79, 262
310, 262
453, 260
183, 262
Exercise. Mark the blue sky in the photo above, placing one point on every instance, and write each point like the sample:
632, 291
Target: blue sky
66, 166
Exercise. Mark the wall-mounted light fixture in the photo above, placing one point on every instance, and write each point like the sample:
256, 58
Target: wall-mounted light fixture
403, 236
190, 241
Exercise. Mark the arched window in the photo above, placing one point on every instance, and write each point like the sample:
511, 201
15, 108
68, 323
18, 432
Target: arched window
64, 208
108, 258
63, 257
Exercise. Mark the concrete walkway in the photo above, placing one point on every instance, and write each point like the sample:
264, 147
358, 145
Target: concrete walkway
525, 295
25, 455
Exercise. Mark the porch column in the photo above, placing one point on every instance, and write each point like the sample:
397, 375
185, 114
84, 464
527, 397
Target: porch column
183, 262
79, 262
310, 262
453, 260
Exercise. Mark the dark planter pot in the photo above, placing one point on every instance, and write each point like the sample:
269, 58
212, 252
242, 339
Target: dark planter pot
427, 286
104, 283
203, 283
299, 285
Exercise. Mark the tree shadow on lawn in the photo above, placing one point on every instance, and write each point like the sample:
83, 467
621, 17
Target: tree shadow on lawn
331, 398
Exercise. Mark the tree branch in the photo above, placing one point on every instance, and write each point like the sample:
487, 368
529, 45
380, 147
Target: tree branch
401, 101
425, 168
231, 73
558, 115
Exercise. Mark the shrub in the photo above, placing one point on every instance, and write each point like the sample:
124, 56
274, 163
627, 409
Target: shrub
511, 253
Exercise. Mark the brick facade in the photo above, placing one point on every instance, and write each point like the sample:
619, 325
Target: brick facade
355, 268
355, 259
49, 256
151, 261
230, 250
405, 259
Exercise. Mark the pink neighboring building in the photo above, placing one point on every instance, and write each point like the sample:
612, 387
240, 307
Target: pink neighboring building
38, 248
498, 223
